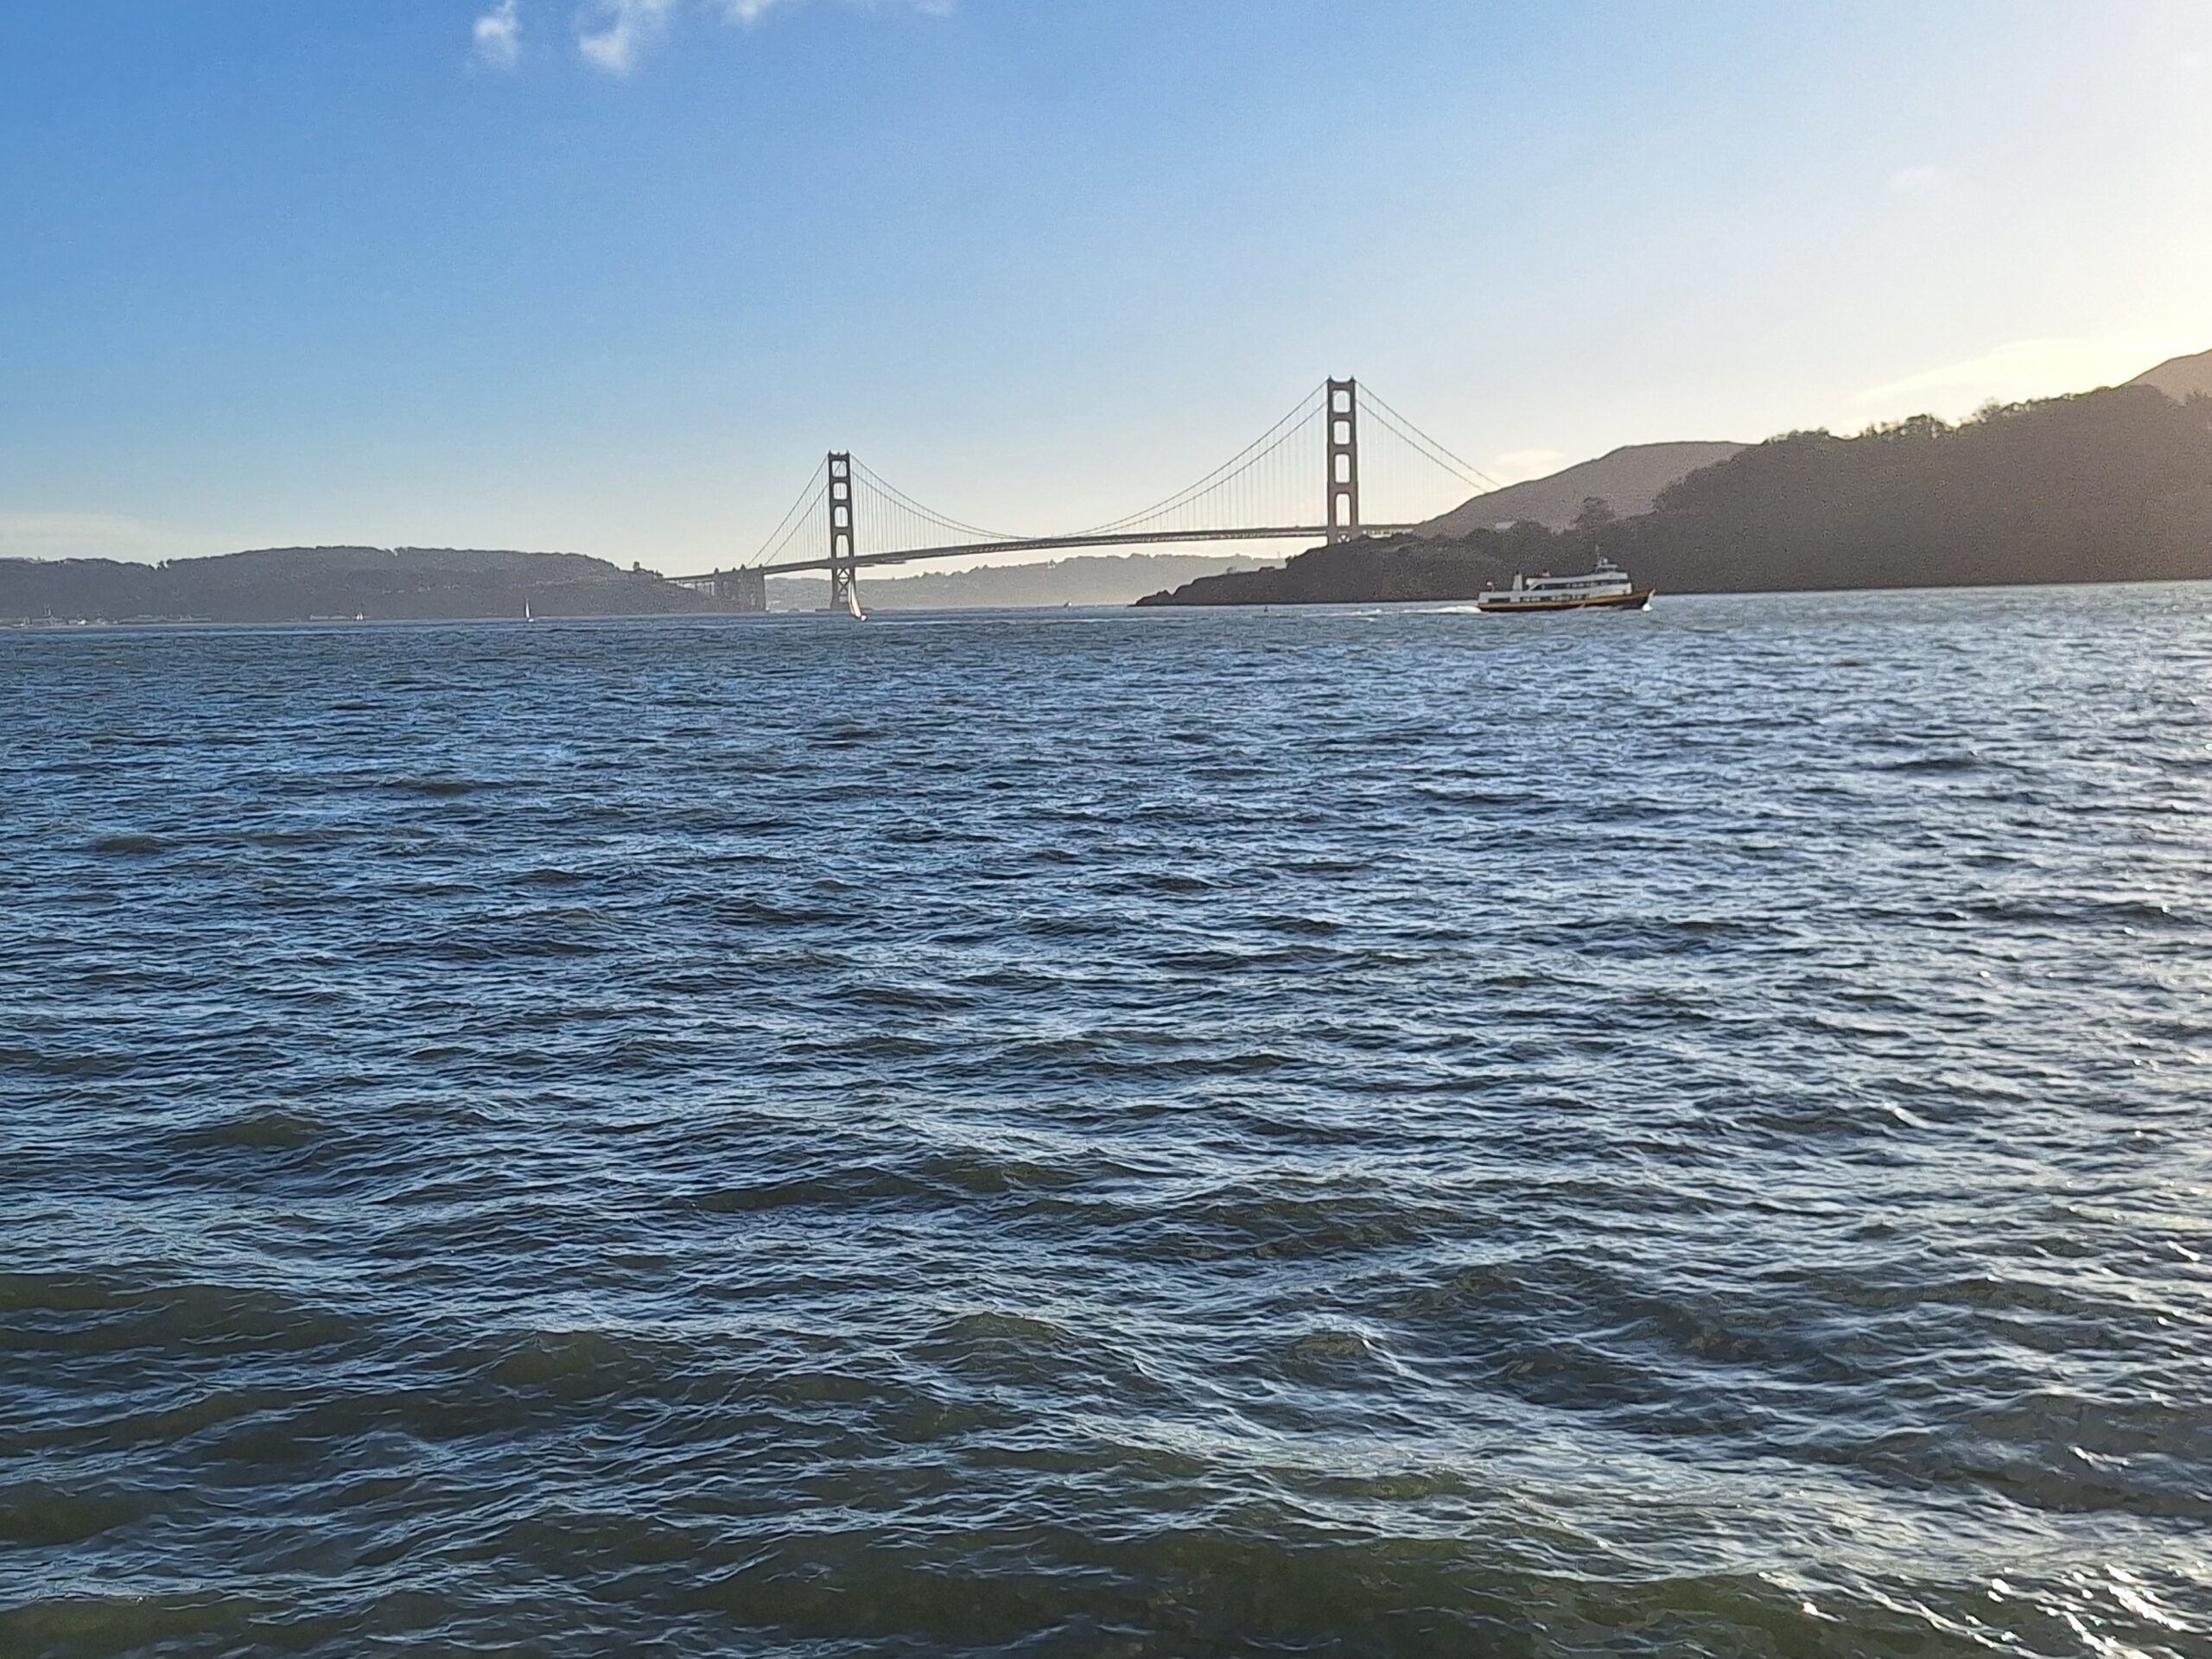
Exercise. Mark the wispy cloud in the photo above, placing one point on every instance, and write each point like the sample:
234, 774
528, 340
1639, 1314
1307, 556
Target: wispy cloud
2016, 370
615, 35
499, 36
751, 11
1519, 464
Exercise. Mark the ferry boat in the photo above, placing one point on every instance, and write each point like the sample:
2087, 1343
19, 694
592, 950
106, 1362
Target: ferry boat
1605, 588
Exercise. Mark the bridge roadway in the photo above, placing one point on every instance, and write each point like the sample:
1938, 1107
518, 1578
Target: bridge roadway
1049, 543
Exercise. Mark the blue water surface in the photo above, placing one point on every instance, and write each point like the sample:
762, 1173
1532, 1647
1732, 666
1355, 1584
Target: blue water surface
1138, 1133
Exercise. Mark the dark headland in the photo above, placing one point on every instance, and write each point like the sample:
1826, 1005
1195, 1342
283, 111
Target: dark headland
2107, 485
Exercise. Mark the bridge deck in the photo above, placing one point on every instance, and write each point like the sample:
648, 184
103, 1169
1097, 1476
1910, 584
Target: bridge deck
1051, 544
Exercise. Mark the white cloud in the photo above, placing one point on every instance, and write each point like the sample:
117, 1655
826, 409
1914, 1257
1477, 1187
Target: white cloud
2017, 370
499, 36
611, 34
751, 11
1520, 464
616, 35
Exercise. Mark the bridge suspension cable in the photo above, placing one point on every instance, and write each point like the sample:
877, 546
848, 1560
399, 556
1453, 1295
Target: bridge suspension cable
1427, 447
1268, 445
896, 503
848, 511
810, 498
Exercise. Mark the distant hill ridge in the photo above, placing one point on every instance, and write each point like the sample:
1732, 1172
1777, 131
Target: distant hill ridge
297, 584
2180, 378
1627, 479
1088, 579
293, 584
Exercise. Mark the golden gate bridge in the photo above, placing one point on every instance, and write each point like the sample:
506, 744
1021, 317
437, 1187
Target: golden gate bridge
848, 517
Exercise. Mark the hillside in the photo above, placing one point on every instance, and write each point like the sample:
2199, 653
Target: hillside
2110, 485
2180, 377
1627, 479
1379, 572
1100, 579
297, 583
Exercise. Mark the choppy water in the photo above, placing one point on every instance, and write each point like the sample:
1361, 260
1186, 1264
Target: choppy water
1142, 1134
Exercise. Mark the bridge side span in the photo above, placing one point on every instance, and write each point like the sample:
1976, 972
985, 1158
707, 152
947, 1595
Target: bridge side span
1056, 543
1039, 544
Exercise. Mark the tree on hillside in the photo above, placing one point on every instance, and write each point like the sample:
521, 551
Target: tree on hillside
1597, 512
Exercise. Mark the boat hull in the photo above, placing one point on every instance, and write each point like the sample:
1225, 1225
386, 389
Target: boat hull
1632, 601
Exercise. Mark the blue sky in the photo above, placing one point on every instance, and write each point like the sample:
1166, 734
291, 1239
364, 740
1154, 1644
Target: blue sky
610, 274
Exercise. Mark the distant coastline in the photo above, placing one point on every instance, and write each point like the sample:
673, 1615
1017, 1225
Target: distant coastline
2108, 486
303, 584
344, 584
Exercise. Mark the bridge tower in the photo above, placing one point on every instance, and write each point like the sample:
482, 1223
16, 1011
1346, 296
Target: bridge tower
844, 570
1344, 461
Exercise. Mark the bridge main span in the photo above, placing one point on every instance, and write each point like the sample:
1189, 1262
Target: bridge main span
862, 520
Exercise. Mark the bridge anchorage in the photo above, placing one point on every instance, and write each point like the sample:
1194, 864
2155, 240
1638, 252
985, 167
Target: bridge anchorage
858, 519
